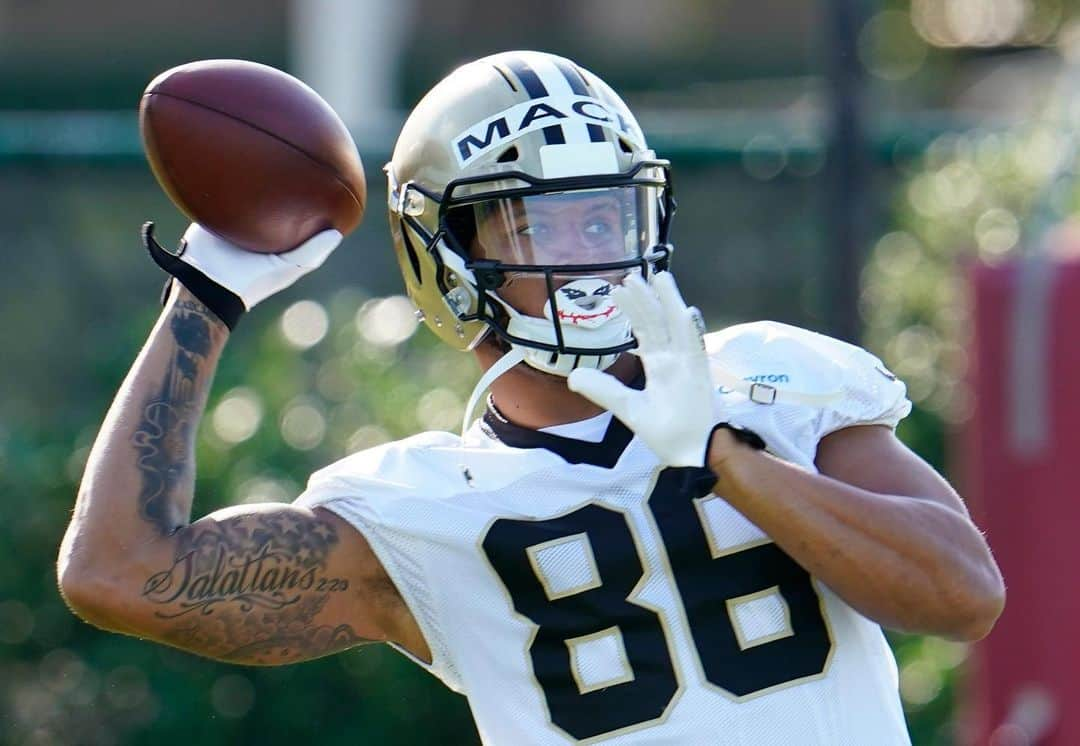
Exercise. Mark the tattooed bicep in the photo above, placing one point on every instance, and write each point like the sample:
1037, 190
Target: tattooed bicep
269, 584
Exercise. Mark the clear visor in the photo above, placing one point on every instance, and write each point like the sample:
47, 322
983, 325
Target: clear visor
581, 227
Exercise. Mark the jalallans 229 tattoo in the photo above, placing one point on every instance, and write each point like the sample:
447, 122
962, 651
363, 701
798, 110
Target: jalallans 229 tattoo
270, 565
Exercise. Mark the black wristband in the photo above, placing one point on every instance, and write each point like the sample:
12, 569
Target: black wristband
749, 437
705, 478
224, 303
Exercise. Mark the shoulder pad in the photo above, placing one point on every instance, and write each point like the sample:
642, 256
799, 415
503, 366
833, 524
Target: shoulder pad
774, 363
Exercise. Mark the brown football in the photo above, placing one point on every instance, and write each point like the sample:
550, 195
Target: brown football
251, 154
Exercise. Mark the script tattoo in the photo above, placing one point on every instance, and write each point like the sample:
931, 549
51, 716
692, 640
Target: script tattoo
249, 589
163, 438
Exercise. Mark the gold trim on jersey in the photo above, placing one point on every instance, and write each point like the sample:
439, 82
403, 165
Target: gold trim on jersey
546, 581
575, 664
715, 549
750, 642
804, 679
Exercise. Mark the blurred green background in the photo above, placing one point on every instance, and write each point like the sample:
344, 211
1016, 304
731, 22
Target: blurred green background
962, 155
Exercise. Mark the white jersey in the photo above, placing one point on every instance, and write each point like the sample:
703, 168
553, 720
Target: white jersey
578, 591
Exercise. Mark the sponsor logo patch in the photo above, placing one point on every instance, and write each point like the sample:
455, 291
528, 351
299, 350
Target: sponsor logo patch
768, 378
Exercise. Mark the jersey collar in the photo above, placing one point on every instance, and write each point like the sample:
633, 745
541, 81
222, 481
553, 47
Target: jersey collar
605, 453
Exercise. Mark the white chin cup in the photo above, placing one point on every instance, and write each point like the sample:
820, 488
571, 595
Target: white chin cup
587, 317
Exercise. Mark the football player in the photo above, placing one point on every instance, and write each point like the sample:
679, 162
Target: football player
651, 534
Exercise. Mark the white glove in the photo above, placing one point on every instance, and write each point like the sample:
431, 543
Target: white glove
251, 275
230, 280
673, 414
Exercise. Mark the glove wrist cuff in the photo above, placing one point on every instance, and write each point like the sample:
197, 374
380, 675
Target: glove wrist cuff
706, 477
224, 303
741, 434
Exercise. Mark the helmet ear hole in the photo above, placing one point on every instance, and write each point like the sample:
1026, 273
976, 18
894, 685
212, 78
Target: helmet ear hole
508, 156
625, 146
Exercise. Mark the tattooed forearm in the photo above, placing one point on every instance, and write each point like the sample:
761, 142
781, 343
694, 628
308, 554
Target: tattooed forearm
250, 588
164, 438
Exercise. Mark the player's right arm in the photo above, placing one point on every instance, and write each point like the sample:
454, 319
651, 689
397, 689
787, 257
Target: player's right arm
255, 584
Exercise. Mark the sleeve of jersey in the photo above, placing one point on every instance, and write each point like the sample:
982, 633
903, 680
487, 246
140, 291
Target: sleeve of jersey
871, 394
371, 491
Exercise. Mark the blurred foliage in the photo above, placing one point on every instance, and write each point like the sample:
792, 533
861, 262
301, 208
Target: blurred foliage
305, 387
979, 196
303, 383
307, 382
62, 682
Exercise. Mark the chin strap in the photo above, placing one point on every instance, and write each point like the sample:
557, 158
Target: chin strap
503, 364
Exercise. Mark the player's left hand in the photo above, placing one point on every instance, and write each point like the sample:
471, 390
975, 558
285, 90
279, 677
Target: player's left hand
673, 414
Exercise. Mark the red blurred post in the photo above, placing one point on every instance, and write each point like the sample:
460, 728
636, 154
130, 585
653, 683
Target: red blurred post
1022, 452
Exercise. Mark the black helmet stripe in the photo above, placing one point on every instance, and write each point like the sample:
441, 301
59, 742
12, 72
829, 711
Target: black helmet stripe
528, 77
535, 87
579, 88
554, 135
573, 77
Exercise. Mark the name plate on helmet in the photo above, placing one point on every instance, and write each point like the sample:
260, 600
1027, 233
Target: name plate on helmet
571, 113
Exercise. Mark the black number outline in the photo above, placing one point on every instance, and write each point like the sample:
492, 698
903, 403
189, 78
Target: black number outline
690, 483
633, 597
681, 483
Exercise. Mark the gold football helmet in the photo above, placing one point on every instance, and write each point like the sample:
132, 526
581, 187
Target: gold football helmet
520, 190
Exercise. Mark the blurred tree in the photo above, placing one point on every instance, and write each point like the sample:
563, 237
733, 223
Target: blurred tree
986, 194
305, 383
286, 402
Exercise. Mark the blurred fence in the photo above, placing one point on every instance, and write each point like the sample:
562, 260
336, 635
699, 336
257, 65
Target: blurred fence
74, 189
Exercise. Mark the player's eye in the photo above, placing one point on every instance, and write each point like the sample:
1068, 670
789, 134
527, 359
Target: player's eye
600, 233
599, 228
533, 230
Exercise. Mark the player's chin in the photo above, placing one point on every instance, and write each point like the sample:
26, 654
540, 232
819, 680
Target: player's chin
536, 374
